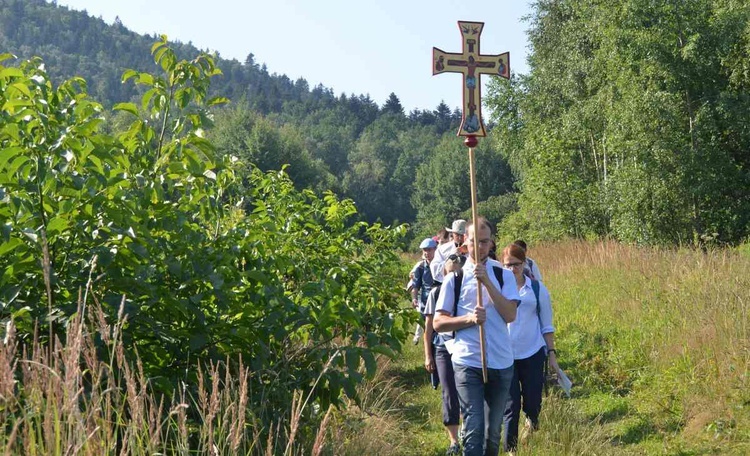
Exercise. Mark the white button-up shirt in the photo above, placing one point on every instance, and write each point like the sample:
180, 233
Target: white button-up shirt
464, 348
527, 329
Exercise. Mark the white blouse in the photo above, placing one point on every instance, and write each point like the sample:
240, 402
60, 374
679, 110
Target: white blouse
527, 329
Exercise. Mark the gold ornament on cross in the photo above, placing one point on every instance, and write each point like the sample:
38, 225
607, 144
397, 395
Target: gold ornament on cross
471, 64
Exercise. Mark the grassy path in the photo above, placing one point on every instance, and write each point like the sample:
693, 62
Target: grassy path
656, 342
418, 408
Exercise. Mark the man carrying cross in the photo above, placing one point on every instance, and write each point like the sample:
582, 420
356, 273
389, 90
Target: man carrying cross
483, 359
464, 317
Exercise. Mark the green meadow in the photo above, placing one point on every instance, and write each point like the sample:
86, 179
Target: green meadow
655, 341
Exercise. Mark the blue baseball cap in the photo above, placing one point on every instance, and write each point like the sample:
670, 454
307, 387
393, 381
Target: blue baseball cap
428, 243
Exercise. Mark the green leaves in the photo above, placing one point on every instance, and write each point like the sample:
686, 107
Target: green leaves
10, 244
623, 126
127, 107
209, 268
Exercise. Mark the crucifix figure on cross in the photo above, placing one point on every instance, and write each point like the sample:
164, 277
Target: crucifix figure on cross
471, 64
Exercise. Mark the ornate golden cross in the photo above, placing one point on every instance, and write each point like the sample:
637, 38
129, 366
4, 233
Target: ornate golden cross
471, 64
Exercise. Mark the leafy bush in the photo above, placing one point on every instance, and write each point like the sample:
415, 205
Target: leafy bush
207, 268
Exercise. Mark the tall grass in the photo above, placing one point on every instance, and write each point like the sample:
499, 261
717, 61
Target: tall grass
69, 399
657, 341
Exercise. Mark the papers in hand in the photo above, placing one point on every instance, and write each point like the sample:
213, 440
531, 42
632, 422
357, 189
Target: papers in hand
563, 381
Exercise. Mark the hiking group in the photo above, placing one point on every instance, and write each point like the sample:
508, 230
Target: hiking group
516, 315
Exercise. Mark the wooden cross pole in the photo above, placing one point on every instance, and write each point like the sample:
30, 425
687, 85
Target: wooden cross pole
472, 64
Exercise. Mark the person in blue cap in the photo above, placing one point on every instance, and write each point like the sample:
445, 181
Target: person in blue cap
421, 281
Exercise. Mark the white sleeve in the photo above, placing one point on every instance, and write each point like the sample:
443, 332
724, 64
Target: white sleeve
509, 290
429, 307
445, 300
437, 264
545, 310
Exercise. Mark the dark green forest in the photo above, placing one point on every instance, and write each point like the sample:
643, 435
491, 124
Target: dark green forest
384, 159
630, 124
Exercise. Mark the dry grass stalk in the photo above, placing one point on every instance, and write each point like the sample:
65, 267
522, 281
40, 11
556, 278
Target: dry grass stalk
8, 364
297, 406
320, 437
74, 401
269, 441
239, 421
72, 384
12, 437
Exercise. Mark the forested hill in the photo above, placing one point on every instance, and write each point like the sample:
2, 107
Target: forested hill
72, 43
635, 130
383, 158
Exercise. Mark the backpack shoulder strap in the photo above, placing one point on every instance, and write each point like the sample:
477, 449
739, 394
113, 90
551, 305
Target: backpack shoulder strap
458, 278
457, 281
530, 264
499, 276
535, 289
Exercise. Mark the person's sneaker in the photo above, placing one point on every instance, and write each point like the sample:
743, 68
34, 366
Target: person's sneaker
453, 450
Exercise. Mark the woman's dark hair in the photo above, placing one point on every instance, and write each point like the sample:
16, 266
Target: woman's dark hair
514, 250
520, 243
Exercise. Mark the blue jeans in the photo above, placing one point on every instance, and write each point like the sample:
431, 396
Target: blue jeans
473, 395
525, 391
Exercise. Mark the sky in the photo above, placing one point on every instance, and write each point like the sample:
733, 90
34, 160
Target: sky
364, 47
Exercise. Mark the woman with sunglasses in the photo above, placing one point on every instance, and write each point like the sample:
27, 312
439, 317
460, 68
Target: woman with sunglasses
533, 339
